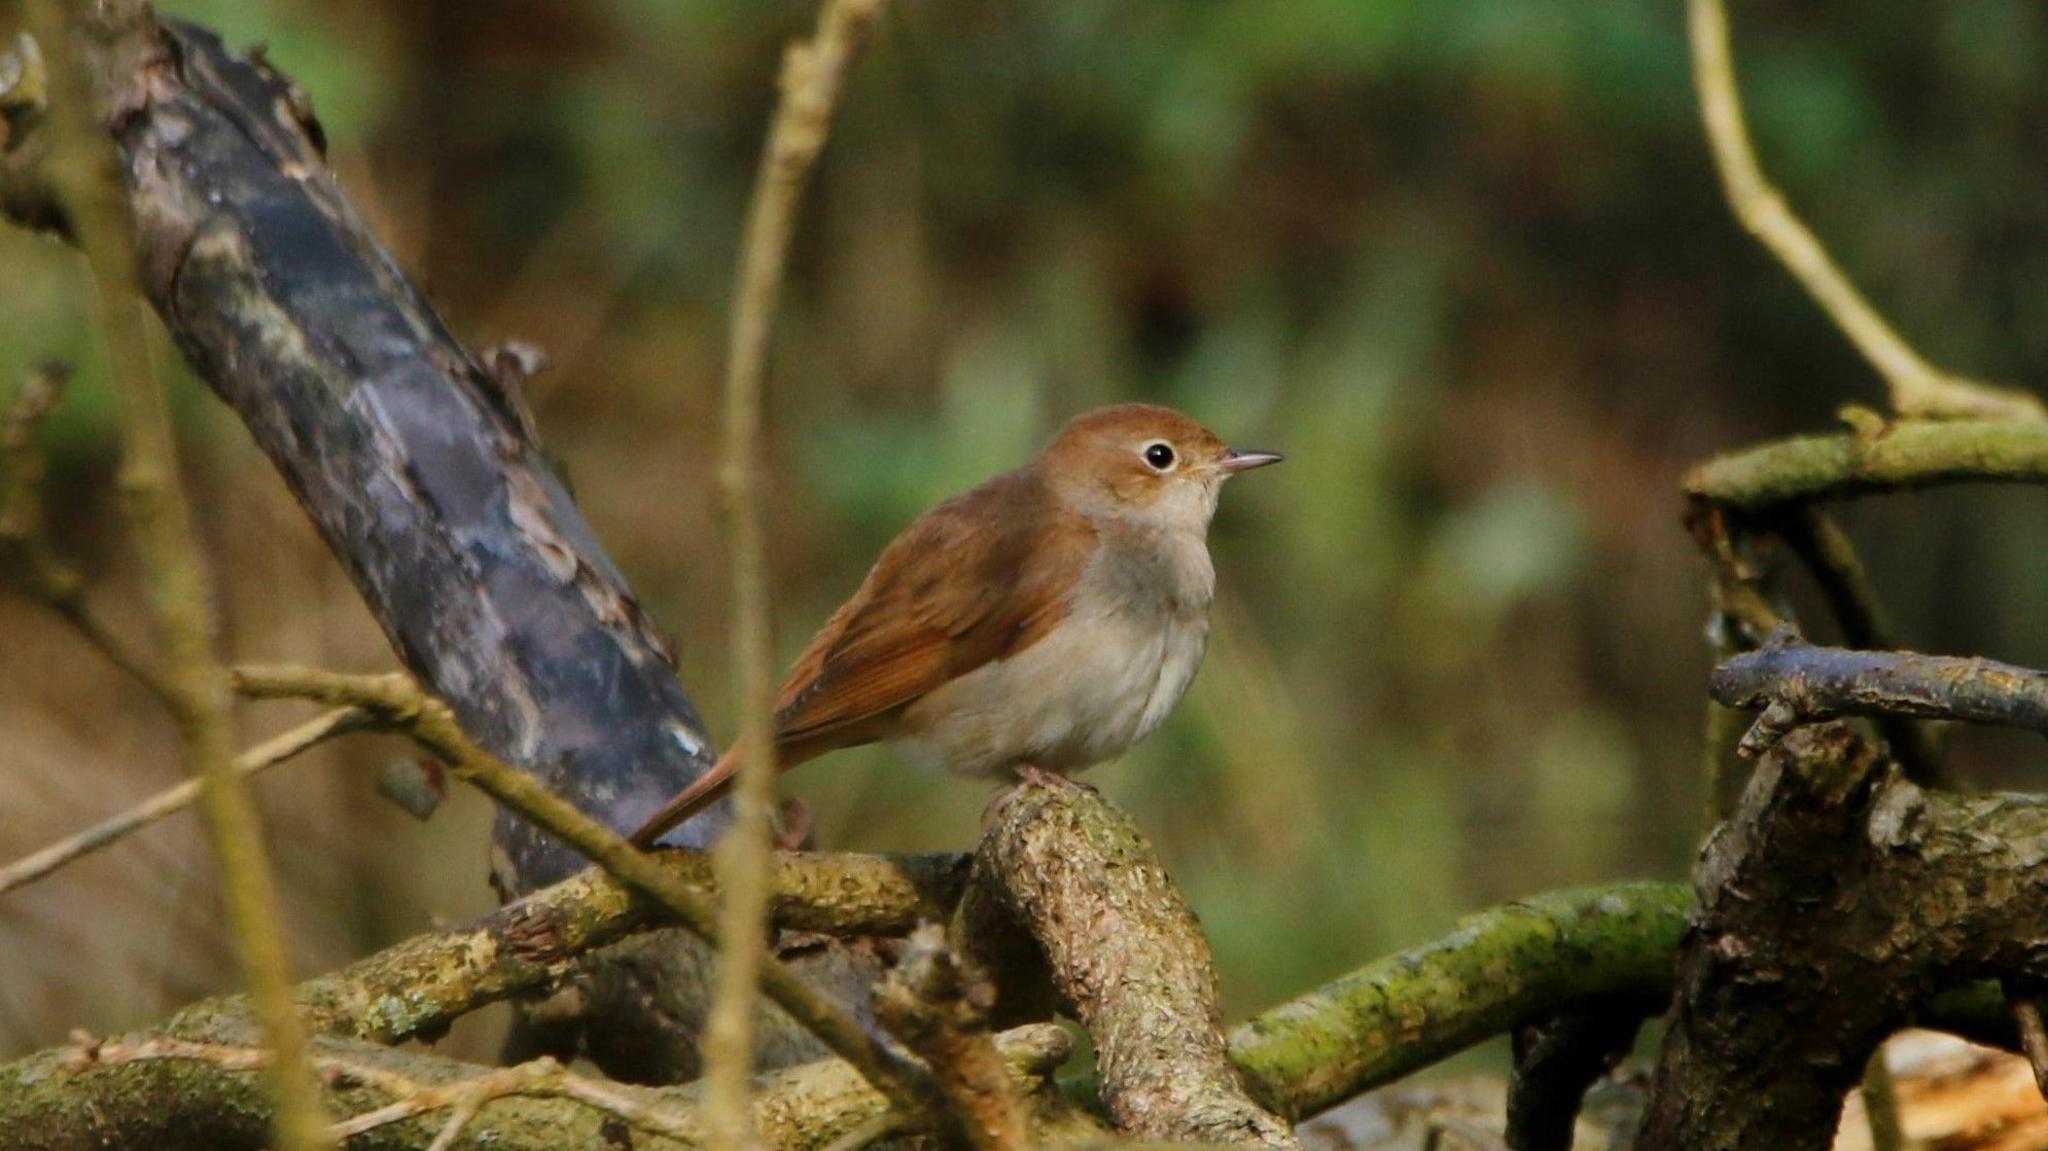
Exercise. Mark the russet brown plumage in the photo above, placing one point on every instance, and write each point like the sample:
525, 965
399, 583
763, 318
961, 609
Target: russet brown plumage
1043, 621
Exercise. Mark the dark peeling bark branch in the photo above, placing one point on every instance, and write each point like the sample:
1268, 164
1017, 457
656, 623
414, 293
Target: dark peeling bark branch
1126, 953
399, 446
1798, 683
1833, 906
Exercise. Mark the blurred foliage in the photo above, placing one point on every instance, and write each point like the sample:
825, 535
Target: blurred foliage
1466, 263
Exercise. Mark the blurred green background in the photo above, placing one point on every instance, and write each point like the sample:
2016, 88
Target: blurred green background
1466, 263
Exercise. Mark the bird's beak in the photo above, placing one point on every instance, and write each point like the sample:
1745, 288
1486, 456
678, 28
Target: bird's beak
1239, 460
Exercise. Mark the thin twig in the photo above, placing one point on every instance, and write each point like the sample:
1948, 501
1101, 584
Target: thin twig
812, 76
82, 164
172, 800
1917, 387
24, 530
397, 702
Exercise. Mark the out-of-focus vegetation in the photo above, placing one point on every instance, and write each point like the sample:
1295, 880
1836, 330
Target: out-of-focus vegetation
1466, 263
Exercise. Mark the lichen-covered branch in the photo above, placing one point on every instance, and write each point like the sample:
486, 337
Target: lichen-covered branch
1896, 457
1833, 906
69, 1100
416, 988
1797, 683
1126, 952
396, 702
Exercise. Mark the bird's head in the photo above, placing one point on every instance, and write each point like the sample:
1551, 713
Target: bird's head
1146, 463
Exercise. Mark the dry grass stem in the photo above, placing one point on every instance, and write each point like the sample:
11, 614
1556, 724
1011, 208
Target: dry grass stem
812, 76
172, 800
82, 165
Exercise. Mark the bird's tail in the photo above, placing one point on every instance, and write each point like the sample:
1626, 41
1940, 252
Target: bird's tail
702, 792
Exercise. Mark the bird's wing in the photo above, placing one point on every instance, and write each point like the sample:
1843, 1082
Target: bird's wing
974, 580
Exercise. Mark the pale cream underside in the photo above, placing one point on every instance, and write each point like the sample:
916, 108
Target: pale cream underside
1099, 682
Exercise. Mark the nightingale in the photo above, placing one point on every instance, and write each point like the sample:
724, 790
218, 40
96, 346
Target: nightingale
1037, 625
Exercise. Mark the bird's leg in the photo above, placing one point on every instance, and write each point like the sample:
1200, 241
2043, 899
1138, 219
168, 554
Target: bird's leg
1031, 773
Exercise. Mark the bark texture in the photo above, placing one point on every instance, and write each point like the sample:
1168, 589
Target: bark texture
1832, 907
399, 445
1126, 953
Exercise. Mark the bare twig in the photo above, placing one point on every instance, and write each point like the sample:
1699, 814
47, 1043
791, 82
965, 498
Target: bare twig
172, 800
196, 685
1917, 387
812, 75
395, 701
45, 575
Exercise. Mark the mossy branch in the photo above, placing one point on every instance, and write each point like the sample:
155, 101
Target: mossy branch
416, 988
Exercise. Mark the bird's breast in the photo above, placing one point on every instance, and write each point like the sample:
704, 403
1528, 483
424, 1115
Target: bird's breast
1102, 679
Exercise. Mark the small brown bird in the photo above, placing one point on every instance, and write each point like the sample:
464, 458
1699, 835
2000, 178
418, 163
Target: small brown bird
1037, 625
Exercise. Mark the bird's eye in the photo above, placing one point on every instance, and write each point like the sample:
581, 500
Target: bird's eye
1159, 455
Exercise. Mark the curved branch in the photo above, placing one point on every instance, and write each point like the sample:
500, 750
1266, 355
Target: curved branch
395, 701
1524, 961
1917, 387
